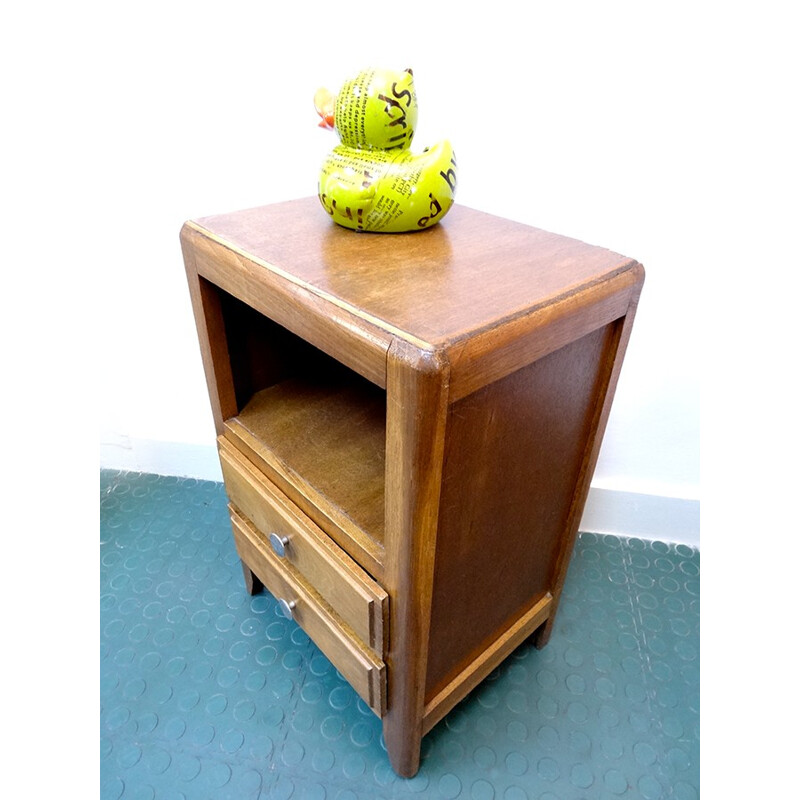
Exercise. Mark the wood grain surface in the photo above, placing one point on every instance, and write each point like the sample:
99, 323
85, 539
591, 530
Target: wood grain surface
513, 455
436, 286
352, 594
365, 672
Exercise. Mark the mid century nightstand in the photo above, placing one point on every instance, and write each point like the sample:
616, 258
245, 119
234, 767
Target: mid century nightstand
407, 426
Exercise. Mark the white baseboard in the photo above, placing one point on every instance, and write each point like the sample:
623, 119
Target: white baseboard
643, 516
161, 458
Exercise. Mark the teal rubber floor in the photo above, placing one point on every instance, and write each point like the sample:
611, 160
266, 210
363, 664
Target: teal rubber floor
207, 693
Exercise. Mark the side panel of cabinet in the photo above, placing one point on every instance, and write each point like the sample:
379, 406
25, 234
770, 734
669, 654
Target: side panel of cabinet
514, 454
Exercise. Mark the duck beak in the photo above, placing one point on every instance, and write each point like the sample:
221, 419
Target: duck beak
324, 103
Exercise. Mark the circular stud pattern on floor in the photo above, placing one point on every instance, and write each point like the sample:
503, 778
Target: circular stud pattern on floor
207, 692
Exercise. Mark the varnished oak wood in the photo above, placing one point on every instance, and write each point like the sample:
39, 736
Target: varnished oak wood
499, 527
611, 367
437, 286
251, 581
352, 594
365, 672
324, 444
358, 343
213, 342
417, 392
494, 353
365, 549
480, 667
473, 367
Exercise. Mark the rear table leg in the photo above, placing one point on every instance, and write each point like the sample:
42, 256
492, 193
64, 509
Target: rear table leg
541, 636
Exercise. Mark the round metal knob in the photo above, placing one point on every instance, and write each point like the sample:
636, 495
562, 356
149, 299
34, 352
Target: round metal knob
287, 607
278, 543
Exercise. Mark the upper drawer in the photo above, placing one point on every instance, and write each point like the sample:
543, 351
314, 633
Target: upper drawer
356, 598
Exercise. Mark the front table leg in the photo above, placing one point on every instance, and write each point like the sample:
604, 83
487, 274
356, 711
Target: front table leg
251, 581
416, 413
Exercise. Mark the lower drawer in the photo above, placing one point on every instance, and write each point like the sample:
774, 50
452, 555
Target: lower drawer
357, 663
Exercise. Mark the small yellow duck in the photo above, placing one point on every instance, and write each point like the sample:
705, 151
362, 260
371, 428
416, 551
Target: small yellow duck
371, 181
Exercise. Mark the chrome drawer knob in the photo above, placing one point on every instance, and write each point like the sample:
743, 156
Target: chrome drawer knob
287, 607
278, 544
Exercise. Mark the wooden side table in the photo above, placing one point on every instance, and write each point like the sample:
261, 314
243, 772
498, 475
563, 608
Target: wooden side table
407, 427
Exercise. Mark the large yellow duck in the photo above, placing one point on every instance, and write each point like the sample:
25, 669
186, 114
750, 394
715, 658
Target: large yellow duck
372, 181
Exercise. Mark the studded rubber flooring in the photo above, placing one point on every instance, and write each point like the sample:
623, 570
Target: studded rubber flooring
207, 693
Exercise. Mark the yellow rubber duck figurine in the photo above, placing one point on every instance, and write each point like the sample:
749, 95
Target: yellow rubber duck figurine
372, 181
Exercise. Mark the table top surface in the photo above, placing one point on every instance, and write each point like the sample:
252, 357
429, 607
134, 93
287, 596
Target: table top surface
468, 273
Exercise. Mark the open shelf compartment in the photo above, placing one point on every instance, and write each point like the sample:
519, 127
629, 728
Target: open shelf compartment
316, 428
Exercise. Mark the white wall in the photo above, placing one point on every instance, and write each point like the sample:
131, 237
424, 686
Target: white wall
574, 118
